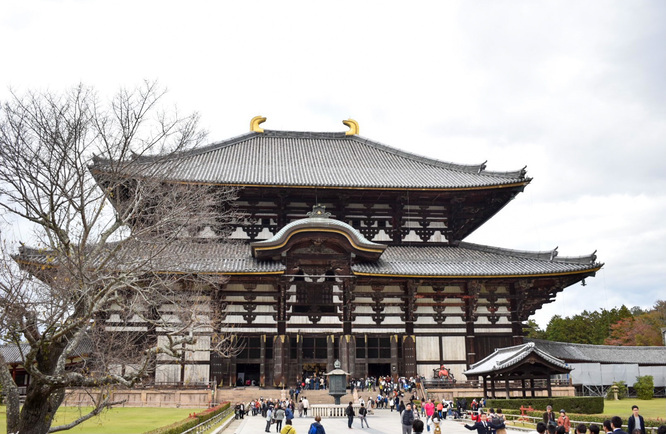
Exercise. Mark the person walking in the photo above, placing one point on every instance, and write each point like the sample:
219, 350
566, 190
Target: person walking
429, 408
350, 413
635, 421
407, 419
288, 428
616, 423
362, 414
306, 405
316, 427
564, 421
279, 417
269, 417
549, 417
435, 425
482, 426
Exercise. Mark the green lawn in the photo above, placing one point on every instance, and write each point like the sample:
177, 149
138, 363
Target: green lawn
121, 420
653, 408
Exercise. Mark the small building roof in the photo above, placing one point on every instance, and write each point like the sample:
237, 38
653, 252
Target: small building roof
503, 359
605, 354
320, 159
13, 353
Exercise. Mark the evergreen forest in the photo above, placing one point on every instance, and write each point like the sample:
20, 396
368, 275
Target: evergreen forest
618, 326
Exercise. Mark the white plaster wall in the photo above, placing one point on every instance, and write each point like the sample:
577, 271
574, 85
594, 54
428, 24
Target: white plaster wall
427, 347
454, 347
167, 373
196, 373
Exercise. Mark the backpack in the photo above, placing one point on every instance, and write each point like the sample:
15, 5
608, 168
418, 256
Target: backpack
313, 429
495, 420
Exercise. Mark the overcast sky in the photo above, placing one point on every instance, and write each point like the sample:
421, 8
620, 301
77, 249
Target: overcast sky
575, 91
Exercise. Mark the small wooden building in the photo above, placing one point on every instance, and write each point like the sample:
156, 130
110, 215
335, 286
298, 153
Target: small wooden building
519, 368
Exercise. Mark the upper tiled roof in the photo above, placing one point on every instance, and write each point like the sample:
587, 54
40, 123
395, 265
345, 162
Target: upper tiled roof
466, 260
582, 353
504, 358
324, 160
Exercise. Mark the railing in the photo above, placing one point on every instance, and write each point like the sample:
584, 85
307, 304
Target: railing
331, 410
210, 423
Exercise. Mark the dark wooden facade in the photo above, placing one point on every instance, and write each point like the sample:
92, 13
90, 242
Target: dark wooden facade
428, 298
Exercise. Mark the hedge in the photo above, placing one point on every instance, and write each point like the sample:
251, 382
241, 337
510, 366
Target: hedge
190, 422
572, 404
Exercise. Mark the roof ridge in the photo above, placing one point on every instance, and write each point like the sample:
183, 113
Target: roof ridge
548, 255
608, 347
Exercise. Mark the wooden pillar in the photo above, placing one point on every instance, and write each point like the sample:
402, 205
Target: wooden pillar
409, 355
506, 388
485, 386
410, 305
550, 389
262, 367
281, 307
492, 386
280, 360
347, 348
532, 391
472, 291
330, 352
395, 362
396, 219
347, 307
522, 383
299, 355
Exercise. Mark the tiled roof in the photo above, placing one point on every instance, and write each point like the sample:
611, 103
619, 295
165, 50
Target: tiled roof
603, 353
465, 260
504, 358
472, 260
324, 160
14, 353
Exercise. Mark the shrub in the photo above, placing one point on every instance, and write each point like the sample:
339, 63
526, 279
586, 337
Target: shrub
190, 422
644, 387
622, 390
572, 404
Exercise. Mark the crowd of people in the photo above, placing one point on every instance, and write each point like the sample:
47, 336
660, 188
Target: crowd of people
384, 385
278, 413
553, 424
417, 416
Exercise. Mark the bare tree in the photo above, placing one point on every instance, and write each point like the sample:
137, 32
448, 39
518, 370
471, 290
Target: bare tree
85, 304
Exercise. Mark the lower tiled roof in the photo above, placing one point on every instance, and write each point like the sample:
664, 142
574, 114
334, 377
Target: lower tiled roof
472, 260
465, 260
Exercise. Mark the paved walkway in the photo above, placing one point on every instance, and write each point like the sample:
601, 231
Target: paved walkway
381, 422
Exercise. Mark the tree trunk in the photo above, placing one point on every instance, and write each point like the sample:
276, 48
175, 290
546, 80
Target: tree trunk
12, 392
39, 409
